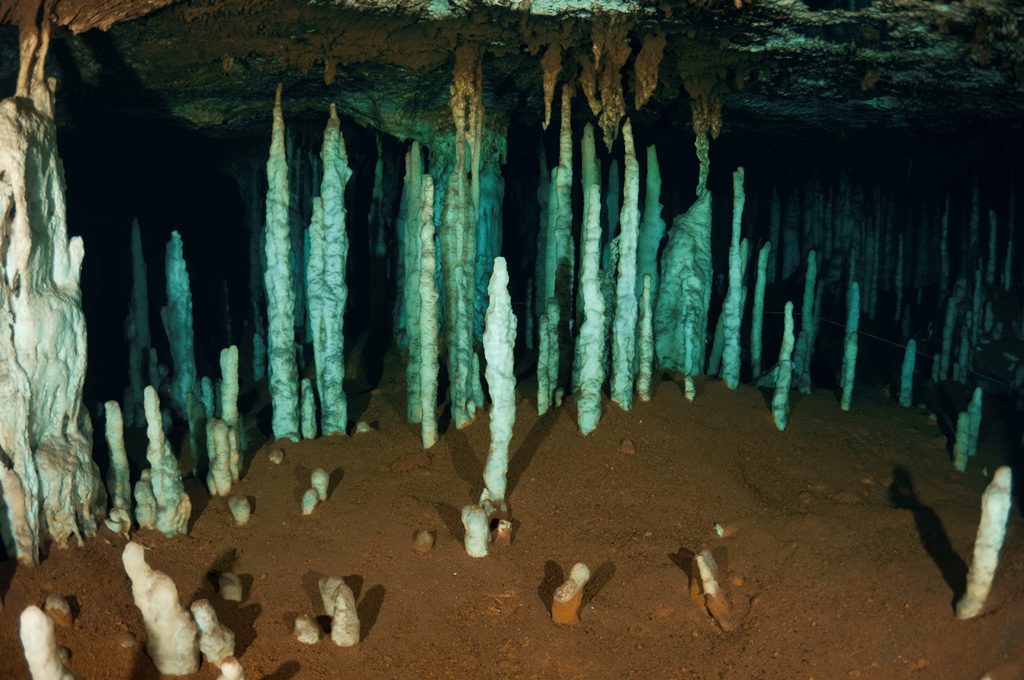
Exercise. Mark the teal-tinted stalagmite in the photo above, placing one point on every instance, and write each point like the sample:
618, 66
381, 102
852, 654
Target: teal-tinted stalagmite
173, 506
907, 373
645, 342
410, 229
591, 341
428, 326
624, 325
652, 225
559, 266
784, 372
590, 175
805, 339
499, 343
974, 422
733, 308
284, 384
333, 292
849, 368
177, 320
757, 321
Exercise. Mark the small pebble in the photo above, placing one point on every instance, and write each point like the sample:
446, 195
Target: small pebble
362, 427
240, 510
125, 640
230, 587
627, 447
58, 609
277, 456
423, 542
306, 630
64, 653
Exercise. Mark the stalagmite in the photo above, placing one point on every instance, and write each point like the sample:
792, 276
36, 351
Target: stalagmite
849, 367
560, 257
774, 226
409, 228
340, 605
331, 291
995, 511
590, 174
40, 644
284, 384
216, 641
207, 397
732, 310
805, 339
499, 343
591, 341
136, 333
474, 521
907, 374
218, 477
652, 226
757, 321
229, 407
624, 333
308, 410
51, 487
119, 474
145, 501
429, 333
173, 506
784, 372
974, 415
565, 605
488, 227
231, 669
177, 320
645, 343
171, 636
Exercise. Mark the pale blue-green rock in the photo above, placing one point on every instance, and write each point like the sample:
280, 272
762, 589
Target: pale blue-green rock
259, 357
645, 343
784, 373
974, 415
548, 357
474, 521
591, 341
624, 326
732, 310
907, 373
136, 333
229, 406
206, 397
177, 320
757, 322
849, 367
173, 506
995, 514
310, 499
590, 171
652, 226
488, 230
428, 327
961, 444
118, 474
329, 281
539, 275
218, 444
805, 339
308, 410
145, 502
284, 384
611, 223
409, 228
499, 344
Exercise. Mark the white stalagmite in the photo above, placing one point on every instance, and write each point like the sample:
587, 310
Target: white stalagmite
340, 605
173, 506
429, 333
757, 322
231, 669
624, 333
51, 486
328, 331
177, 319
118, 476
218, 477
499, 343
40, 644
284, 384
784, 373
409, 234
732, 311
995, 511
216, 641
136, 332
474, 521
171, 636
591, 341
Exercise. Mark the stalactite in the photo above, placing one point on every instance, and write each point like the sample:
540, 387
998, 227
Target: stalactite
136, 332
645, 68
591, 341
757, 321
611, 50
624, 334
284, 387
428, 326
551, 63
732, 311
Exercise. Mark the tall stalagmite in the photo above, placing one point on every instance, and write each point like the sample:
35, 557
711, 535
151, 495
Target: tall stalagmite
136, 333
177, 320
284, 383
51, 486
624, 336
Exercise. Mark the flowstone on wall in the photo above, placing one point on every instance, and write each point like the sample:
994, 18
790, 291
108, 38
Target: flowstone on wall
51, 486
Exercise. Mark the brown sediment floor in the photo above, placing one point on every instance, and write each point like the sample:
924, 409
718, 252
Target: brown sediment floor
840, 572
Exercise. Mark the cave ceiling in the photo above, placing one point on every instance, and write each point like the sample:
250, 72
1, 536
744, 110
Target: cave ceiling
787, 65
